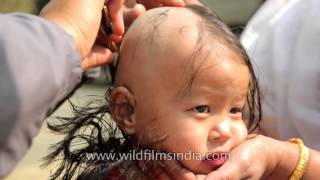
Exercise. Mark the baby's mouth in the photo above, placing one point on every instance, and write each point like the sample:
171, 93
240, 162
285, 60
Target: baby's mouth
215, 160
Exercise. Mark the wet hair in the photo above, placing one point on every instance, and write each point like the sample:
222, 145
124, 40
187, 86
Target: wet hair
211, 27
90, 131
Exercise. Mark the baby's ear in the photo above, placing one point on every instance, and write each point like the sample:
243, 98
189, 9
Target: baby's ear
122, 108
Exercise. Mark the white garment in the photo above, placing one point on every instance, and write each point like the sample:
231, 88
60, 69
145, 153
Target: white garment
283, 41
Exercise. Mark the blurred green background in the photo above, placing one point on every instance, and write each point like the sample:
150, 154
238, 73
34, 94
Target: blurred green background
27, 6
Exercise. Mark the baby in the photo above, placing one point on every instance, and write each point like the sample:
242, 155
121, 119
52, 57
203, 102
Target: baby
183, 83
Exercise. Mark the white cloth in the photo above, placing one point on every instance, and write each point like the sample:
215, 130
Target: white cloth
283, 41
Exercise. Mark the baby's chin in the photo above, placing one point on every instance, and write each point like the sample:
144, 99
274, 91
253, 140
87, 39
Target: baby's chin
198, 167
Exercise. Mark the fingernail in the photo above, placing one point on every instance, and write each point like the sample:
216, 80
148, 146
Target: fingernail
116, 38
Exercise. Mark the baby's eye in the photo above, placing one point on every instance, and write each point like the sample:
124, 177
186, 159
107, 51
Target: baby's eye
236, 110
201, 109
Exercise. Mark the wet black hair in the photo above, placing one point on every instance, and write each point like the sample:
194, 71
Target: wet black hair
91, 131
211, 26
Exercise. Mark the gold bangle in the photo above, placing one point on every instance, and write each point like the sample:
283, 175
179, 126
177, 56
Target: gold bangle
303, 160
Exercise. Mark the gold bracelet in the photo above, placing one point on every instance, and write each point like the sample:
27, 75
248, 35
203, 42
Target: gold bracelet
303, 160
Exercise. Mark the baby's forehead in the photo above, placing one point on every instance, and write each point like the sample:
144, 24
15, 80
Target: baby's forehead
166, 43
167, 16
165, 33
168, 26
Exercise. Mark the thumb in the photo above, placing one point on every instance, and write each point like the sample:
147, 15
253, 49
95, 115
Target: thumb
98, 56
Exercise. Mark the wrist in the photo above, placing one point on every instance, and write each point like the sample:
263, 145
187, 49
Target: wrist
287, 158
66, 27
82, 27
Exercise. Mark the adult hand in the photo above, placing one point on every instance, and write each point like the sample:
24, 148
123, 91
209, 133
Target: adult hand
266, 158
256, 158
131, 12
81, 19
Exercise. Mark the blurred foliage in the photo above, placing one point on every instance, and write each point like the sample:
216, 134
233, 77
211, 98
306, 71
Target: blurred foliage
17, 6
233, 12
28, 6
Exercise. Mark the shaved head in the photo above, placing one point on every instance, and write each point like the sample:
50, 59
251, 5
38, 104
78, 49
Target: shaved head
160, 37
161, 54
164, 48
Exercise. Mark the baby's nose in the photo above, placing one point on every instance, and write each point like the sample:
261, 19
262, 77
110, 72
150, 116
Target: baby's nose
220, 132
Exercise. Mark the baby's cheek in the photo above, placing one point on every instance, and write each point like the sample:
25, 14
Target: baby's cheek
185, 140
240, 133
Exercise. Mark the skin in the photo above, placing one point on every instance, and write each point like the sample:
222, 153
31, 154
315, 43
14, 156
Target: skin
84, 28
266, 158
205, 117
81, 19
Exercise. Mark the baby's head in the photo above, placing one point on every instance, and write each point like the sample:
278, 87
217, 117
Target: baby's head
184, 84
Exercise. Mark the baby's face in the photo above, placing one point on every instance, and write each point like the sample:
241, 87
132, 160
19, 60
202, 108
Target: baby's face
189, 95
203, 117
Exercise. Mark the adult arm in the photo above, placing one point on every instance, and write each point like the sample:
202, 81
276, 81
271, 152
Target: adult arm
39, 67
81, 19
